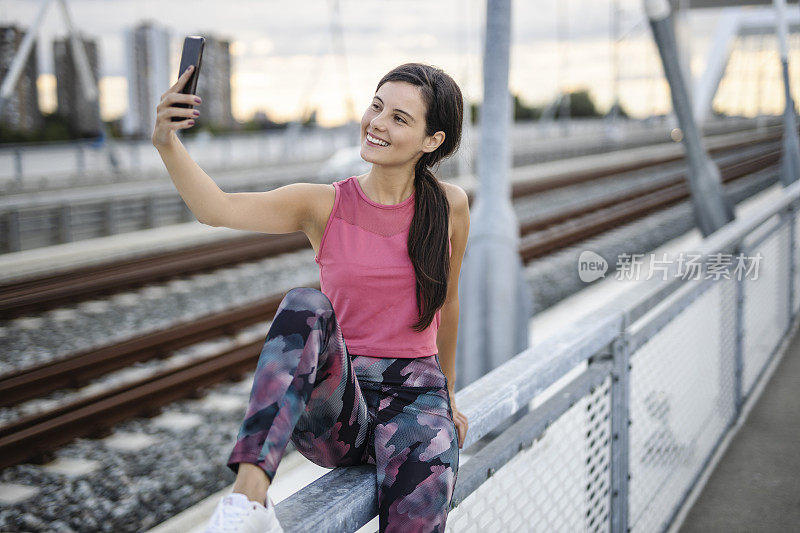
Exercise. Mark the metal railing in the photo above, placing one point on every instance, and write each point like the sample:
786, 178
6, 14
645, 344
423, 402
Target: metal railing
639, 394
82, 162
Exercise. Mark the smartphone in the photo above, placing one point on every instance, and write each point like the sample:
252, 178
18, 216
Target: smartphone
192, 55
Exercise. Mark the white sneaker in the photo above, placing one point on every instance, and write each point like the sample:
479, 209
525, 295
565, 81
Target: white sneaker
235, 513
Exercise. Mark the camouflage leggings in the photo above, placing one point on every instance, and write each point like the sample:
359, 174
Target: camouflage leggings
342, 409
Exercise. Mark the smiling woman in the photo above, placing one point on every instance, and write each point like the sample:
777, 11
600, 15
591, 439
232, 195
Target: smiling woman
414, 128
363, 369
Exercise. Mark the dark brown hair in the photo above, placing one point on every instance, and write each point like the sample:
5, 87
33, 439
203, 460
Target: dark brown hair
427, 236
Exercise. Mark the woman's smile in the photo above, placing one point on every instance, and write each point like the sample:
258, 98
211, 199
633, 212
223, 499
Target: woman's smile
377, 142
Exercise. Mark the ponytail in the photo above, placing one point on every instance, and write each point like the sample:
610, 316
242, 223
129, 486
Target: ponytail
428, 245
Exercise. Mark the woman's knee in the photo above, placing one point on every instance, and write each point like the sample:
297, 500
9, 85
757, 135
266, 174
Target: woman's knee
302, 311
306, 298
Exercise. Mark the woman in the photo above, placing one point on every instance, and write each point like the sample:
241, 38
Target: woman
363, 370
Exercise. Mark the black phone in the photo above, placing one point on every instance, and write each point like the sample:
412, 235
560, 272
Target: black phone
192, 55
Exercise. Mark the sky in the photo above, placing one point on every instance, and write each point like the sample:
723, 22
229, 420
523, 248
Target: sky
284, 59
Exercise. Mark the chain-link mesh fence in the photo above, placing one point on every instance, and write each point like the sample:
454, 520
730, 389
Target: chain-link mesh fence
640, 395
682, 400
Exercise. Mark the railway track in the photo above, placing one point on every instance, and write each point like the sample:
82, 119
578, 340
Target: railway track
545, 236
34, 437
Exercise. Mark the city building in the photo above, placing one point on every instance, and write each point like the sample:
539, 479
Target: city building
83, 116
149, 75
214, 84
21, 112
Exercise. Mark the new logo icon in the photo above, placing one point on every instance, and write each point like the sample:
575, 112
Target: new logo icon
591, 266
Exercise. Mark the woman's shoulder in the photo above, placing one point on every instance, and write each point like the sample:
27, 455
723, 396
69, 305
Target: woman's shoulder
459, 209
323, 199
320, 200
454, 192
458, 199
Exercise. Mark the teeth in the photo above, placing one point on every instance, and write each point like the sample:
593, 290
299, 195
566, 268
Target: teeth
376, 141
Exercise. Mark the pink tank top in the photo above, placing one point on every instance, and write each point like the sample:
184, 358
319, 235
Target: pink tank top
365, 271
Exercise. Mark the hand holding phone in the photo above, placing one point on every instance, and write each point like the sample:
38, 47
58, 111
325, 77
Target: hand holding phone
192, 55
167, 111
178, 102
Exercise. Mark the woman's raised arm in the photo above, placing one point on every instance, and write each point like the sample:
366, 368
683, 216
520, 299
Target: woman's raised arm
282, 210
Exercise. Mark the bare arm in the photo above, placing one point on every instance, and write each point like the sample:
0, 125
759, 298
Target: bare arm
196, 187
282, 210
448, 327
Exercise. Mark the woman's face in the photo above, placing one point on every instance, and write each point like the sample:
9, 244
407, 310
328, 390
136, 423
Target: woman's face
396, 115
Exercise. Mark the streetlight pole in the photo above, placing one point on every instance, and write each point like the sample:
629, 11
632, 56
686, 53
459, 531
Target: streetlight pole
790, 158
495, 298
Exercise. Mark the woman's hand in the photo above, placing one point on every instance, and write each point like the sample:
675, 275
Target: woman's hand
460, 420
164, 131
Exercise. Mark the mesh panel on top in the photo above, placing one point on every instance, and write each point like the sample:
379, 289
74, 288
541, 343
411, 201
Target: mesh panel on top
385, 222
